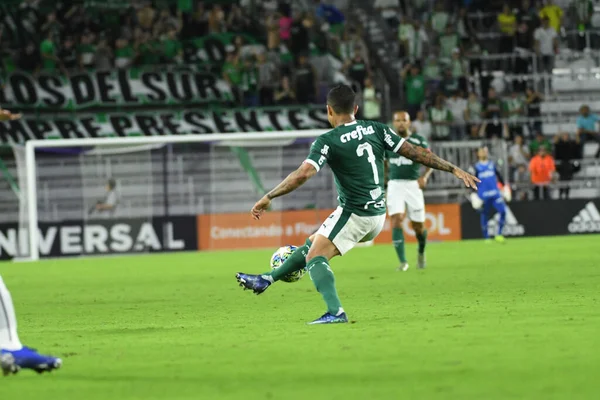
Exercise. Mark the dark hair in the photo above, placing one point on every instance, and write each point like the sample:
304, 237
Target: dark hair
341, 98
111, 183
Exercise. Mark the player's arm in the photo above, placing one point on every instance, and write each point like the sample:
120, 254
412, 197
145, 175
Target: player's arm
499, 176
429, 159
6, 115
425, 177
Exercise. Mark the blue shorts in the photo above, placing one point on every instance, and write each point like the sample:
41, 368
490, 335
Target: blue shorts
496, 202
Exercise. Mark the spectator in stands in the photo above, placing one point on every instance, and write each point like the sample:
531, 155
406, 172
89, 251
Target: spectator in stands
68, 55
300, 37
586, 127
371, 101
285, 26
507, 23
449, 41
542, 168
331, 15
522, 60
546, 45
458, 108
124, 53
232, 72
29, 58
305, 81
413, 39
473, 53
527, 14
493, 112
440, 19
216, 19
86, 51
463, 27
515, 110
553, 13
540, 141
566, 152
197, 24
50, 61
110, 201
414, 86
285, 94
441, 119
533, 101
267, 79
350, 44
583, 11
422, 126
474, 111
172, 48
449, 84
249, 82
432, 71
52, 28
149, 50
357, 69
518, 159
238, 21
460, 69
103, 57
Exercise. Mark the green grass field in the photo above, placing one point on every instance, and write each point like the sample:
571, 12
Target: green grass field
518, 321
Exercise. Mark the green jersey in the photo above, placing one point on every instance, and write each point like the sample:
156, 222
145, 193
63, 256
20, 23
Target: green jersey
355, 153
401, 167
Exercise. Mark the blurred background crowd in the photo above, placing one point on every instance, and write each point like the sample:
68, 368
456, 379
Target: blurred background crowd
464, 70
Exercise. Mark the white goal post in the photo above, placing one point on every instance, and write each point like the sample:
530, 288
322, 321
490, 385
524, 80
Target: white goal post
229, 139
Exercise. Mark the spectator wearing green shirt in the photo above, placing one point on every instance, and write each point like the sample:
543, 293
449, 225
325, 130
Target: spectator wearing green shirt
232, 73
48, 53
449, 41
149, 50
440, 19
172, 48
540, 141
414, 86
86, 51
124, 53
514, 108
441, 119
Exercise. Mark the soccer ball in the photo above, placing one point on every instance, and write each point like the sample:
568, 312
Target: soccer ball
279, 258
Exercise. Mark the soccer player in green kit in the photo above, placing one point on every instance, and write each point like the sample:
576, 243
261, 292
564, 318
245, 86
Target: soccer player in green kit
405, 192
355, 151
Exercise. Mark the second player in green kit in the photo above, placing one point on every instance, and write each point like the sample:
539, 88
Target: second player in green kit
405, 192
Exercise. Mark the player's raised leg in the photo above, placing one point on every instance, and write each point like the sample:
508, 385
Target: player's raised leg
484, 214
13, 355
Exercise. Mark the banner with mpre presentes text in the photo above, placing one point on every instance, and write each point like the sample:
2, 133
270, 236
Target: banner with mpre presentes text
103, 236
164, 122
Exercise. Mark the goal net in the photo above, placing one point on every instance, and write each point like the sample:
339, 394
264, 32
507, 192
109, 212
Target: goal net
168, 193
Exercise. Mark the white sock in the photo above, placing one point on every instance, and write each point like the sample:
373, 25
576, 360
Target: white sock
9, 340
340, 312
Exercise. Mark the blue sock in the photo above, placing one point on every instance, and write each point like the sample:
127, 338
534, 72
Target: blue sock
501, 222
484, 224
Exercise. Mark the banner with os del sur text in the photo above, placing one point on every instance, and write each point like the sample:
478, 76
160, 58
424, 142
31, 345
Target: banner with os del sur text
163, 122
106, 236
279, 228
122, 88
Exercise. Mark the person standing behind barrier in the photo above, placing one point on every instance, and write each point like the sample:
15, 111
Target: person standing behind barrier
586, 127
542, 170
566, 152
371, 101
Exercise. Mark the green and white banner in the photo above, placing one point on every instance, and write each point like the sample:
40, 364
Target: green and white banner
164, 122
120, 88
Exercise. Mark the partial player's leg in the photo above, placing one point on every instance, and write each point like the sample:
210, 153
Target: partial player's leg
415, 201
13, 355
500, 207
484, 216
397, 211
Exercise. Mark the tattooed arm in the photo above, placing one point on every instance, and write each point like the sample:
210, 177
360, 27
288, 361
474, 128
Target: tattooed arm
425, 157
292, 182
429, 159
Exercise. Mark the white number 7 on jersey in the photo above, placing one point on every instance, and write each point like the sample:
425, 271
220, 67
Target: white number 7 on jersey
360, 151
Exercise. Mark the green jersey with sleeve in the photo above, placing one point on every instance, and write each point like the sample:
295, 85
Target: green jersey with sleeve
355, 152
402, 167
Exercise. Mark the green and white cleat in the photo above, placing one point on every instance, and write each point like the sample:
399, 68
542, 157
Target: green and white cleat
421, 261
499, 239
403, 267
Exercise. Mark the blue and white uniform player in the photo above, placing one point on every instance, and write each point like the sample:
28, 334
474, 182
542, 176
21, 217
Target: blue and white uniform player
489, 195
